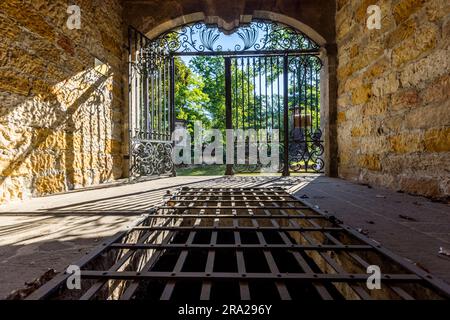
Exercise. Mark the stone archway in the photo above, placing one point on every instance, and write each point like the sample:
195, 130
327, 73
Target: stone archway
228, 26
240, 14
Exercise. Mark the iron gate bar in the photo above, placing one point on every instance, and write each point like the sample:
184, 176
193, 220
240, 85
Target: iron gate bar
238, 228
232, 216
403, 283
171, 275
244, 200
250, 54
241, 246
228, 207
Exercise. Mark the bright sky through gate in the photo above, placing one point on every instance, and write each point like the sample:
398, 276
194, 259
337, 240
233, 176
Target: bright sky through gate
228, 42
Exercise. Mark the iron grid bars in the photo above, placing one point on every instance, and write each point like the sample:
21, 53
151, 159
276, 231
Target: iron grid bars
254, 244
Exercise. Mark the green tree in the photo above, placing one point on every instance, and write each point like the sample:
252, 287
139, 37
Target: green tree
190, 97
212, 72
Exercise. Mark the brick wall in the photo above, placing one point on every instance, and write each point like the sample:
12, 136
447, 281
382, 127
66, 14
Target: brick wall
60, 108
393, 96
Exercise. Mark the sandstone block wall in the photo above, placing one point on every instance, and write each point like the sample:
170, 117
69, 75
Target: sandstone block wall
393, 96
61, 96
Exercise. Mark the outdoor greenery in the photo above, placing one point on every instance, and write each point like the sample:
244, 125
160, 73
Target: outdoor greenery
200, 92
257, 94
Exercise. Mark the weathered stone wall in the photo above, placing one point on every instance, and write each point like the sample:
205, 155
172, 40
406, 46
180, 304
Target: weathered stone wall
60, 108
393, 95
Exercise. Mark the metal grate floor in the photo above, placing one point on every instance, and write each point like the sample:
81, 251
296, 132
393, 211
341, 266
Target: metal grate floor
241, 244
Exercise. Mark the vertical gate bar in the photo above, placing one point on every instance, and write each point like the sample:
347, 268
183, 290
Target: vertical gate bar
141, 90
136, 87
255, 126
317, 98
228, 107
152, 112
166, 98
172, 95
304, 126
248, 95
271, 93
295, 101
236, 93
309, 114
157, 100
301, 101
160, 98
169, 102
146, 100
130, 101
138, 93
286, 114
278, 93
311, 103
243, 93
265, 97
260, 95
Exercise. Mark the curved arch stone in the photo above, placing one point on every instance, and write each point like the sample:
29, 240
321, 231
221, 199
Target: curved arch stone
228, 26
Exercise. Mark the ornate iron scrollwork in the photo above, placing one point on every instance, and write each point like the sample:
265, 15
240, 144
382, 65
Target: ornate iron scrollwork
257, 35
307, 154
151, 158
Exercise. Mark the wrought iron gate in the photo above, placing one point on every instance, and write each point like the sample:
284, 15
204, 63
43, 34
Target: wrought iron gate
272, 82
280, 92
151, 106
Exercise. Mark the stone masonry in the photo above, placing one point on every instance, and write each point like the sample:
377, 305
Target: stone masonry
393, 96
61, 96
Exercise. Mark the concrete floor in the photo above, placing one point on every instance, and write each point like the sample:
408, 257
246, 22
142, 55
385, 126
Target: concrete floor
54, 231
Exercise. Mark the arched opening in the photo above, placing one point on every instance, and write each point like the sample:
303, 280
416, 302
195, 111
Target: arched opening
261, 79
